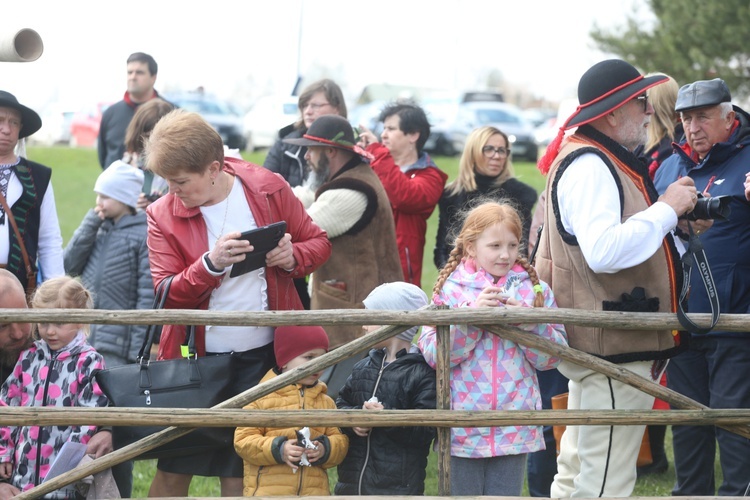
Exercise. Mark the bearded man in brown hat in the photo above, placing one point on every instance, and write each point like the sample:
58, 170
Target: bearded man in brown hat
607, 245
345, 198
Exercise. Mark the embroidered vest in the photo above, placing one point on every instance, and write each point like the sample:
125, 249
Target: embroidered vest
27, 212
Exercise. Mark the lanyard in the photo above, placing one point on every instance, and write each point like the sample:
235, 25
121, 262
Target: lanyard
696, 255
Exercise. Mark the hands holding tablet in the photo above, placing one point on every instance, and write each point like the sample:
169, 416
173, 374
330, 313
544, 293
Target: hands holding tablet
271, 246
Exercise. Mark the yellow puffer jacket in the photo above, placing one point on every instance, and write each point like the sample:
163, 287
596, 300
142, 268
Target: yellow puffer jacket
259, 447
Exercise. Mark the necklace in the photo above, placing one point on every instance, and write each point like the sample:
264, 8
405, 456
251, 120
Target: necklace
226, 211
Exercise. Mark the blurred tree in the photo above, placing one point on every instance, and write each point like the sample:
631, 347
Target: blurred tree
689, 40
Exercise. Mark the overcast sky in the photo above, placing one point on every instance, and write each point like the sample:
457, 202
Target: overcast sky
241, 48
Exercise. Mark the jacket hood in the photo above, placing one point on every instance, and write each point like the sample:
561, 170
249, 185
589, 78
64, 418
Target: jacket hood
469, 276
74, 348
424, 161
403, 356
311, 390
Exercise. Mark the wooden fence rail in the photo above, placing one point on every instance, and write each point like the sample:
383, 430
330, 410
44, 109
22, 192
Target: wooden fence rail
493, 320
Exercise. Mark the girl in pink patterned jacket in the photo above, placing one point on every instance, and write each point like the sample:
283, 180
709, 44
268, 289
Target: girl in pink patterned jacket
489, 372
55, 371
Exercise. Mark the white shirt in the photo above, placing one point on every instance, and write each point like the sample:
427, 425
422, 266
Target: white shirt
248, 292
590, 209
335, 211
49, 243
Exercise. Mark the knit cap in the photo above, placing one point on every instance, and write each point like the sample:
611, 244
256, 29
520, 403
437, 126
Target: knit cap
292, 341
397, 296
121, 182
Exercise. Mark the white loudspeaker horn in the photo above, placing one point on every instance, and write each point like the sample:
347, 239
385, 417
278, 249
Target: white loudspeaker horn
24, 45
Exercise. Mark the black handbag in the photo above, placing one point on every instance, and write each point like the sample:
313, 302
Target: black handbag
196, 382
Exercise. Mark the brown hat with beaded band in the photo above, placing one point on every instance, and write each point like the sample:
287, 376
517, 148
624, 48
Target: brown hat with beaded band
603, 88
292, 341
328, 130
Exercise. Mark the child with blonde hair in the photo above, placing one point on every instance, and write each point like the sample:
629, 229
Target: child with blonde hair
55, 371
488, 372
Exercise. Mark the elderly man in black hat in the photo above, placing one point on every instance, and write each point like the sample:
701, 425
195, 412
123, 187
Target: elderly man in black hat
29, 230
714, 370
607, 245
344, 197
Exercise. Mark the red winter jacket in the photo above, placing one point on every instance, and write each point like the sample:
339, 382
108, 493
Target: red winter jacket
177, 240
413, 196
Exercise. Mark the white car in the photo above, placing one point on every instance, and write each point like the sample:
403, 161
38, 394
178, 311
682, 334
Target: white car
268, 115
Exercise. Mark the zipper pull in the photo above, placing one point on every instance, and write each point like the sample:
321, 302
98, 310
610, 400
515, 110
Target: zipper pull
147, 393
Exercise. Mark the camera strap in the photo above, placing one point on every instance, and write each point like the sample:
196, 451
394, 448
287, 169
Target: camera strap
696, 255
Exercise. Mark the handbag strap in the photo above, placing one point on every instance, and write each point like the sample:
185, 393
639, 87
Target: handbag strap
160, 298
30, 274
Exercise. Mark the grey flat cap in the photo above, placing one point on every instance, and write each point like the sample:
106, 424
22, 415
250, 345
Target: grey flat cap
702, 93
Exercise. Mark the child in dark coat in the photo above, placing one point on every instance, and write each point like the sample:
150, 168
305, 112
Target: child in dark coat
395, 376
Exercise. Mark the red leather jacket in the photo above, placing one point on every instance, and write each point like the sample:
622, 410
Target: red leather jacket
177, 240
413, 196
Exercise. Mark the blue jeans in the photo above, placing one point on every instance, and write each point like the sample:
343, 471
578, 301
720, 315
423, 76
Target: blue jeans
714, 371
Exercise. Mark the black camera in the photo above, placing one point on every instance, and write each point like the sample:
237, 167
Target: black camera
715, 207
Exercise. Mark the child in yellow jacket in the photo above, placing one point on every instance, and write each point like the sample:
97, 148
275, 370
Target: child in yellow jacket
272, 455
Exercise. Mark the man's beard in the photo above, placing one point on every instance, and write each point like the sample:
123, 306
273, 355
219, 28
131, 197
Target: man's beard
318, 175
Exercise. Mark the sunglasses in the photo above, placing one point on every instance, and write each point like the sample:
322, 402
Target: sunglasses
644, 100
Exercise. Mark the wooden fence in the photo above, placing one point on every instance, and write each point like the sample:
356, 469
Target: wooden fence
497, 321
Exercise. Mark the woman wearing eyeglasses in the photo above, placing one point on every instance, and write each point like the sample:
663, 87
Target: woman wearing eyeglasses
485, 172
323, 97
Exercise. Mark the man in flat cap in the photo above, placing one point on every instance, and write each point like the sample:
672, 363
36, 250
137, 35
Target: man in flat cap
715, 369
607, 245
29, 229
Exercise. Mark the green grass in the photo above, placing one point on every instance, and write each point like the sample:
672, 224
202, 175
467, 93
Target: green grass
74, 174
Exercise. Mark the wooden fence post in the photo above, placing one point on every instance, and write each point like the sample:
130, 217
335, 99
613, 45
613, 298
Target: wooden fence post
444, 403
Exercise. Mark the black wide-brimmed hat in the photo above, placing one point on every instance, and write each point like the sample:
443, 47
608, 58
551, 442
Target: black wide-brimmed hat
606, 86
328, 130
603, 88
31, 122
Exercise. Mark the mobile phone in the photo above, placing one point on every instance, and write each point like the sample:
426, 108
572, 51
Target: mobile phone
263, 239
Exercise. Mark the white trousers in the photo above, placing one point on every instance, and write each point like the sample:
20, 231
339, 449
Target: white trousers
600, 460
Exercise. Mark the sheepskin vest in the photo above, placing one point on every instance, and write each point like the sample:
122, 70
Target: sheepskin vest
562, 265
362, 258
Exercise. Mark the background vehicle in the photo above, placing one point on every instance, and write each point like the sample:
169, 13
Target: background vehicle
452, 123
268, 115
84, 126
56, 121
219, 114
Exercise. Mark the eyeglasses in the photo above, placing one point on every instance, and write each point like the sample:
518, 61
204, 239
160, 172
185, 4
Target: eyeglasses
489, 151
315, 105
644, 99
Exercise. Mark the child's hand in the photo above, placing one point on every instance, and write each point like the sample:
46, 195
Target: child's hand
6, 469
291, 453
492, 296
315, 454
99, 213
368, 405
512, 302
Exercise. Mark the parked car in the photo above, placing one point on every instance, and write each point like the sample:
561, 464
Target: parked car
268, 115
452, 123
84, 127
219, 114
